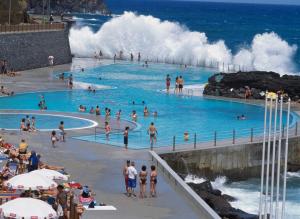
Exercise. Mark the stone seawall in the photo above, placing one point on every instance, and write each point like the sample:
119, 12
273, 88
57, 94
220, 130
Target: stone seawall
28, 50
237, 162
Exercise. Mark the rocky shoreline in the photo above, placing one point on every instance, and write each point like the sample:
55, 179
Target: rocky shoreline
253, 85
219, 202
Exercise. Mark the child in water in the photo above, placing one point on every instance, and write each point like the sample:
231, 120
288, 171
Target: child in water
107, 131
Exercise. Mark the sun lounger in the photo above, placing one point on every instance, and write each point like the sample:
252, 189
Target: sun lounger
101, 208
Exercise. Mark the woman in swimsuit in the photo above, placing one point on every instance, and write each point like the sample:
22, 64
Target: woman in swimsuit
143, 182
153, 181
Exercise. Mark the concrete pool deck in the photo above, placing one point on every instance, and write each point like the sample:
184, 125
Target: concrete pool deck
97, 165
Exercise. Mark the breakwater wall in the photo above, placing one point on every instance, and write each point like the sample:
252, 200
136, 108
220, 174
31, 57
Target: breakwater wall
236, 162
29, 50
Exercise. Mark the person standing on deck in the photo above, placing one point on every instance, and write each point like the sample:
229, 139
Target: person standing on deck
132, 175
126, 137
62, 132
125, 174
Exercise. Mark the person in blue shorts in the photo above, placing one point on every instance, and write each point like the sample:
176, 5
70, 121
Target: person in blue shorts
132, 175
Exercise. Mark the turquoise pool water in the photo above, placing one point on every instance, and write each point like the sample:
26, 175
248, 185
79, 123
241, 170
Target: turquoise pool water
132, 82
43, 122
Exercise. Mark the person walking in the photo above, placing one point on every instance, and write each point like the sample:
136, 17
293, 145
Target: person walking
132, 175
152, 133
153, 181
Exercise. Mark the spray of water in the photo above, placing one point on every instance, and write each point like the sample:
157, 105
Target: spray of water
172, 42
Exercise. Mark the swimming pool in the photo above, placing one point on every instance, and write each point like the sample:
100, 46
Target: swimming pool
44, 122
176, 113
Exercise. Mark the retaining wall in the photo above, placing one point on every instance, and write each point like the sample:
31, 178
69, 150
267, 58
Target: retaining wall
238, 162
28, 50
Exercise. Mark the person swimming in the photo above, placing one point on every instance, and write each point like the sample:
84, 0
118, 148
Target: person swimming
242, 117
134, 116
118, 115
92, 111
146, 112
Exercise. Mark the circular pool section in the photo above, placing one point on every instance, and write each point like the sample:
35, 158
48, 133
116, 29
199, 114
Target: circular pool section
45, 122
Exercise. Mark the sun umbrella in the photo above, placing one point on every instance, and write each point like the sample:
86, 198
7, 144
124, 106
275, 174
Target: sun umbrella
27, 208
51, 174
30, 181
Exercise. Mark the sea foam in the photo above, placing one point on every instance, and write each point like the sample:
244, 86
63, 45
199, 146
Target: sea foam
165, 40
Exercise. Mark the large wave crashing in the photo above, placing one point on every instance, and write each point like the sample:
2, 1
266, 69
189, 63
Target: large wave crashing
169, 41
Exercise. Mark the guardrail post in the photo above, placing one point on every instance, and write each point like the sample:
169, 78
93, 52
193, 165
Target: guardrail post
215, 138
195, 141
233, 136
173, 143
251, 135
296, 129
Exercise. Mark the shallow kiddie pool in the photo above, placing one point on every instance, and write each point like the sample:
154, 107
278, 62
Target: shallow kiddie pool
44, 122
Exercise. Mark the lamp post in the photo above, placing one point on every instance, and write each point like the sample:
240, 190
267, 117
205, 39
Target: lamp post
43, 11
9, 12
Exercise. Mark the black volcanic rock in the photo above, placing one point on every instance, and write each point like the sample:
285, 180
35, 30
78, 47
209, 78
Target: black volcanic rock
219, 202
234, 85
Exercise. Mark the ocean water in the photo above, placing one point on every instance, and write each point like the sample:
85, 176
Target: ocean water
247, 193
197, 32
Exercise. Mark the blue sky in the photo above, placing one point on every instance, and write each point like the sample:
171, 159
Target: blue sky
289, 2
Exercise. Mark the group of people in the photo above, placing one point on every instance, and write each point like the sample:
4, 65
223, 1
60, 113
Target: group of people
42, 104
20, 160
121, 56
62, 134
6, 92
131, 176
178, 84
4, 69
28, 124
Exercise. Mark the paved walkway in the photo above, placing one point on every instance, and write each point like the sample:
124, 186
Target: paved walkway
93, 164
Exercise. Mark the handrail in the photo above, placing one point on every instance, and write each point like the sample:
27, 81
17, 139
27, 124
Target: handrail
206, 211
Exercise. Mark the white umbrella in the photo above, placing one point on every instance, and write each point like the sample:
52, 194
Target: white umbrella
27, 208
51, 174
30, 181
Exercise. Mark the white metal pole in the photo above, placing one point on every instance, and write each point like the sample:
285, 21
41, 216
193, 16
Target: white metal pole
278, 159
285, 159
9, 12
268, 159
263, 160
273, 156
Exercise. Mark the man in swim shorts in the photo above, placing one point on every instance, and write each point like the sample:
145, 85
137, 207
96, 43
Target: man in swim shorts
152, 132
132, 175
